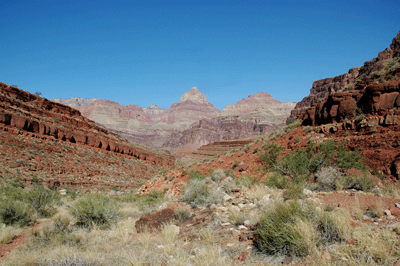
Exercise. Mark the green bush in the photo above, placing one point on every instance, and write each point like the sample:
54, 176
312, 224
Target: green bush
196, 193
196, 174
293, 192
271, 154
275, 232
279, 231
277, 180
15, 213
302, 163
349, 159
43, 200
96, 209
152, 198
364, 182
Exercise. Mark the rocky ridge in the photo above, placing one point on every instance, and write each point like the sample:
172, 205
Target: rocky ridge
24, 113
322, 88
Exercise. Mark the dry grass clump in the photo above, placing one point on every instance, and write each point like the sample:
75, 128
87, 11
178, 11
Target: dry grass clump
236, 216
169, 233
207, 235
293, 228
8, 233
257, 192
379, 247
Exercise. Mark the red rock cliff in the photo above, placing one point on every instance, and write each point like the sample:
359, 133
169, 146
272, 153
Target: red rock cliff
25, 113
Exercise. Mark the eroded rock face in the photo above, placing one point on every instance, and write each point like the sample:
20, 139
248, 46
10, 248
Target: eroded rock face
374, 99
322, 88
29, 114
190, 123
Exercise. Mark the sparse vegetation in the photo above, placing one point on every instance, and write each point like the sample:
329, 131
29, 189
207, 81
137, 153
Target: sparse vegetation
96, 209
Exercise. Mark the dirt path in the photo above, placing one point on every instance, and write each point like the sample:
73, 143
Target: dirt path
18, 240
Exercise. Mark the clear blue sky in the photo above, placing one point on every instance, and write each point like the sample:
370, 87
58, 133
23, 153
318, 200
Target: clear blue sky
151, 52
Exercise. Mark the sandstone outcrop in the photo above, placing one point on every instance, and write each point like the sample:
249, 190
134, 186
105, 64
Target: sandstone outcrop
368, 111
29, 114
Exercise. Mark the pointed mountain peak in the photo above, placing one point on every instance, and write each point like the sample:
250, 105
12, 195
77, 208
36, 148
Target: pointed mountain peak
193, 95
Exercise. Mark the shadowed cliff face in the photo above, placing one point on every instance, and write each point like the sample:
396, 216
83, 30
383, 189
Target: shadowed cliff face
322, 88
28, 114
190, 123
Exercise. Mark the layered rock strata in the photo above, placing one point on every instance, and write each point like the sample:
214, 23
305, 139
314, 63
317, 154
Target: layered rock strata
322, 88
25, 113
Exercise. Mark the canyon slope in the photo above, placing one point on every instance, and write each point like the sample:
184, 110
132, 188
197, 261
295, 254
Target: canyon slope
54, 143
188, 124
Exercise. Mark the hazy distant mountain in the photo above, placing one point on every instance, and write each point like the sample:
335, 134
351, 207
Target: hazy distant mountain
188, 124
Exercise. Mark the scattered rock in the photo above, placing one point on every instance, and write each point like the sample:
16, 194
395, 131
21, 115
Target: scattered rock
242, 257
247, 223
326, 256
307, 192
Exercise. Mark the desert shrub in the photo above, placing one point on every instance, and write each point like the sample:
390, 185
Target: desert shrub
182, 213
43, 200
228, 185
276, 233
69, 260
10, 192
327, 177
228, 172
292, 125
96, 209
195, 193
249, 181
308, 128
52, 233
152, 198
129, 197
349, 159
271, 154
364, 182
328, 229
277, 180
196, 174
302, 163
15, 213
218, 175
294, 191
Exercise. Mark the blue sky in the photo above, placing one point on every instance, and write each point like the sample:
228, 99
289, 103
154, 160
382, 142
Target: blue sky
151, 52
